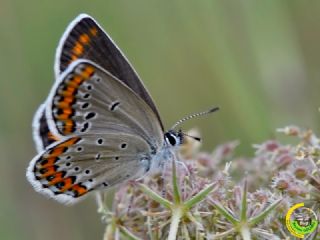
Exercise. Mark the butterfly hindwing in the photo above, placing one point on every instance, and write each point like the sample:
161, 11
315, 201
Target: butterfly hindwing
85, 39
41, 133
77, 165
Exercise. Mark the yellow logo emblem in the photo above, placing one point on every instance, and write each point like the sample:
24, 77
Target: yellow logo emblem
301, 220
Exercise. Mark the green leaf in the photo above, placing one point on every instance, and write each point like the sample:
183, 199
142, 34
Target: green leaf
200, 196
225, 213
155, 196
264, 213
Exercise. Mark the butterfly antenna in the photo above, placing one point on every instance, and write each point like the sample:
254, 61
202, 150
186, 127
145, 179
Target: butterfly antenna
194, 115
193, 137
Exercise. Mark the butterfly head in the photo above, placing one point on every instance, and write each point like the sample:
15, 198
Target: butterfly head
173, 138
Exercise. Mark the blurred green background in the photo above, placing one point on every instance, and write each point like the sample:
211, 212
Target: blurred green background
258, 60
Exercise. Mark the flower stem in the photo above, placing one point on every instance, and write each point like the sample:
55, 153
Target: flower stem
176, 193
245, 233
175, 220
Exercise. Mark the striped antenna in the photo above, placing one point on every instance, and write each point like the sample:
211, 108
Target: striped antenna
193, 116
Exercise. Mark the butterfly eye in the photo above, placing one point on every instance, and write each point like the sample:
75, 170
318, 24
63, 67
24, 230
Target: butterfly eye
170, 138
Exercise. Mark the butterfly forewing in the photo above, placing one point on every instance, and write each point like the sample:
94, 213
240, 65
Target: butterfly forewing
85, 39
89, 99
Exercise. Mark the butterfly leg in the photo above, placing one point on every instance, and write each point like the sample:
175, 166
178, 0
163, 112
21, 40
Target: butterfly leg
100, 202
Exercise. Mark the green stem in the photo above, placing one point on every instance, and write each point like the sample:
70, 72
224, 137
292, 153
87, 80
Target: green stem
110, 231
245, 233
176, 193
243, 216
175, 220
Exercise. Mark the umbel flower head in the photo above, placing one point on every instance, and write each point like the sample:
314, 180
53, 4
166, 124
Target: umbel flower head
218, 196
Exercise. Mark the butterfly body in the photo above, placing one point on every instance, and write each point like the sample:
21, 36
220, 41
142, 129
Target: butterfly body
99, 126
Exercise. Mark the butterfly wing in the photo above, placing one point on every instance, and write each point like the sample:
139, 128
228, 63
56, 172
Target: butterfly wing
41, 133
69, 169
89, 99
85, 39
107, 132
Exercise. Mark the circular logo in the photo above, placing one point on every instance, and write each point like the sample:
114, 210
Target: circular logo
301, 220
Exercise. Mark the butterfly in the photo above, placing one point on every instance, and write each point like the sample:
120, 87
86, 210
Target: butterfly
99, 126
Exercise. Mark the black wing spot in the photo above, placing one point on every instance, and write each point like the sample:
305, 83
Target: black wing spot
98, 156
77, 169
116, 158
85, 105
85, 127
68, 164
86, 96
79, 149
89, 87
68, 157
114, 106
88, 171
100, 141
105, 184
90, 115
123, 145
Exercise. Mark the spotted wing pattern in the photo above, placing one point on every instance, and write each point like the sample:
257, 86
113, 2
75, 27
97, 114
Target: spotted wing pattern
85, 39
102, 126
77, 165
90, 99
